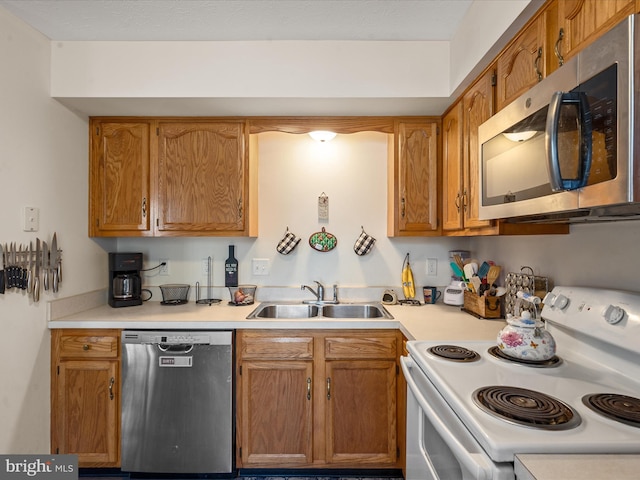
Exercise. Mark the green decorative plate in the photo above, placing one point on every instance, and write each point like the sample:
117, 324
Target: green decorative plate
323, 241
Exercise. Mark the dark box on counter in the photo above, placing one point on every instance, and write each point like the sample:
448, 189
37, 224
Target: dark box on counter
481, 306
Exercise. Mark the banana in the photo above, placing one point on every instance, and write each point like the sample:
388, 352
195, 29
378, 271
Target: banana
408, 285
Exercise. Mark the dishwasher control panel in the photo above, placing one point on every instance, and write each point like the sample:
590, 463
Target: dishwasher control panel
177, 338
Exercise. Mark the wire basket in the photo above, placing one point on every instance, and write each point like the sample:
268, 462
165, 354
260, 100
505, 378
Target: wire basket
242, 294
175, 293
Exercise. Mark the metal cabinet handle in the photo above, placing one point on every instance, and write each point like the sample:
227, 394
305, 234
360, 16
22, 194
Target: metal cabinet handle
308, 388
144, 207
537, 64
465, 204
402, 207
556, 48
111, 382
240, 208
328, 388
86, 347
457, 202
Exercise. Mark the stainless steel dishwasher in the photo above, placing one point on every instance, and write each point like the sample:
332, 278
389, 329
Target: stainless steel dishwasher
177, 401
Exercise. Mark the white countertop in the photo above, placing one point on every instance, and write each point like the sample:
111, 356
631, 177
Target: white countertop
577, 467
425, 322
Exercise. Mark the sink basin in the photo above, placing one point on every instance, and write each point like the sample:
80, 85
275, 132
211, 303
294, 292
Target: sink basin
283, 310
296, 310
355, 310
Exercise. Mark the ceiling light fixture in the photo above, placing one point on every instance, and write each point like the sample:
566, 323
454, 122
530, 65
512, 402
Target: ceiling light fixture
322, 135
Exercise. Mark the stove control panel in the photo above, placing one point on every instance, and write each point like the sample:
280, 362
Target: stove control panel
609, 316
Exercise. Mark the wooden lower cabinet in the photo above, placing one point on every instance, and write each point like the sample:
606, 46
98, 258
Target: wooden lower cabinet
318, 399
85, 401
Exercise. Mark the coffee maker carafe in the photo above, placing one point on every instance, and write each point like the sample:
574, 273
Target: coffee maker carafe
125, 286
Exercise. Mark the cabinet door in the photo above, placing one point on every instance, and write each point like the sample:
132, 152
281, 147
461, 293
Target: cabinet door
478, 107
277, 413
87, 412
201, 178
522, 64
582, 21
416, 201
119, 179
361, 412
452, 179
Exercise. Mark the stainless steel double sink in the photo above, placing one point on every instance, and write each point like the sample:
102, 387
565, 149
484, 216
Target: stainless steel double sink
342, 310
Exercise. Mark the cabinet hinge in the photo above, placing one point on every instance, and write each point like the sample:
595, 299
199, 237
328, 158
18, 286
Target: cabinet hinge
57, 451
240, 370
157, 222
97, 130
397, 452
58, 369
397, 370
157, 131
240, 452
494, 79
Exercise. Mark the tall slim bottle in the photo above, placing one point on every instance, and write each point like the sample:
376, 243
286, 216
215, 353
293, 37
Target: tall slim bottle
231, 269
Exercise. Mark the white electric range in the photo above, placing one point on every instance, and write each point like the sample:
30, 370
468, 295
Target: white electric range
453, 430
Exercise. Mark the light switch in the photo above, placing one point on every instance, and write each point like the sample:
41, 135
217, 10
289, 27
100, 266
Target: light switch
31, 219
260, 266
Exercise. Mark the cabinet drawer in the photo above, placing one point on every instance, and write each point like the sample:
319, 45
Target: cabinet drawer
273, 346
358, 347
87, 346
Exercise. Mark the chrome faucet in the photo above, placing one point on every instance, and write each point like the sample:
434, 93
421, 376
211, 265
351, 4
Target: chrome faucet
320, 293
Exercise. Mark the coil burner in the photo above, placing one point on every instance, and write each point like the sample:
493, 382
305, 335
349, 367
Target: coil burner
454, 353
552, 362
525, 407
616, 407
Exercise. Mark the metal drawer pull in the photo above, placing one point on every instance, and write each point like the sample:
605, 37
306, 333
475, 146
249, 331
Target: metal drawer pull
308, 388
111, 382
86, 347
328, 388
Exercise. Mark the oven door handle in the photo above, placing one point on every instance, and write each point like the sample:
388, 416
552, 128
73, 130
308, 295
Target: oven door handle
473, 462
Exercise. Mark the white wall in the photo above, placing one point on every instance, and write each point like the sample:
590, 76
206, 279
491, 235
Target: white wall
43, 164
294, 171
599, 255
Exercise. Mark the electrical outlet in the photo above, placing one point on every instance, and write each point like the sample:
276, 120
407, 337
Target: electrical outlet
260, 266
164, 269
432, 266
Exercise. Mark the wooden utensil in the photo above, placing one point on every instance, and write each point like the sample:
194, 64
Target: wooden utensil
493, 274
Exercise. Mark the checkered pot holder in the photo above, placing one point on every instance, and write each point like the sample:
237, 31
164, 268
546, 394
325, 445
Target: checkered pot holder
364, 243
288, 243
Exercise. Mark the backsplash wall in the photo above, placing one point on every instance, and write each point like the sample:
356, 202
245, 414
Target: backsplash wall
294, 171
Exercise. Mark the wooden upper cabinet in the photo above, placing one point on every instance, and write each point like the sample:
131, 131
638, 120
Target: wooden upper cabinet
164, 176
452, 179
413, 177
582, 21
119, 199
202, 182
523, 63
477, 108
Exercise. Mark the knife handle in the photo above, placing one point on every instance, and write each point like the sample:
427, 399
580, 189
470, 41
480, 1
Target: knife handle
45, 279
59, 269
1, 281
29, 281
23, 278
54, 280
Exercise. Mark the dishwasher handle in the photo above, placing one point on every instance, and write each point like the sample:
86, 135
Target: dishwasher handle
184, 349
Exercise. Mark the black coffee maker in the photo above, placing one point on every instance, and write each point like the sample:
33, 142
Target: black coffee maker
125, 286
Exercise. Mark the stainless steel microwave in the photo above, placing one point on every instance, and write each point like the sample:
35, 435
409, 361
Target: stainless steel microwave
567, 149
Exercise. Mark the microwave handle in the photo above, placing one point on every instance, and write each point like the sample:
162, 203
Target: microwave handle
551, 139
